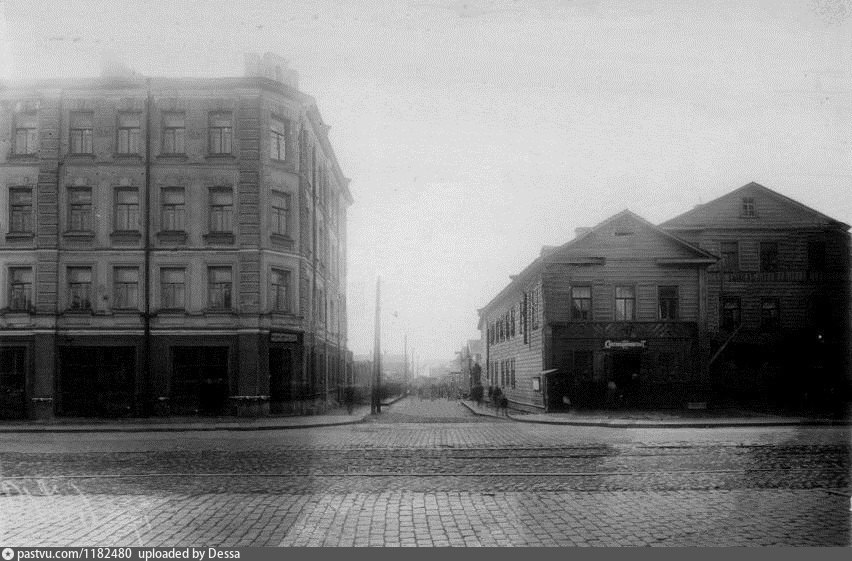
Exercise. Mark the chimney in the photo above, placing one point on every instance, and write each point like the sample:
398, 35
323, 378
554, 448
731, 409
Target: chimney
582, 231
272, 67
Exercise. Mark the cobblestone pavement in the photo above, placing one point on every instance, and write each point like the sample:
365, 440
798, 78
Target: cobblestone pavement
429, 473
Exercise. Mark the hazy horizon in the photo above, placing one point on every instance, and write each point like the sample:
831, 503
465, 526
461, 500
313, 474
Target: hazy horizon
476, 132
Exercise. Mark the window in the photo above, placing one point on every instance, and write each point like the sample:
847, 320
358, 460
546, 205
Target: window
80, 209
126, 209
730, 256
584, 365
768, 256
748, 207
129, 132
13, 369
512, 322
26, 133
581, 302
79, 288
173, 207
219, 287
521, 312
731, 315
81, 132
173, 288
625, 303
816, 256
769, 317
668, 297
277, 139
126, 288
174, 133
221, 210
512, 370
279, 290
534, 294
20, 288
502, 373
219, 133
20, 210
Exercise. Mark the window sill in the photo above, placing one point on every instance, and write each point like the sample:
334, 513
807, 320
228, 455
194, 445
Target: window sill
27, 156
219, 238
221, 156
126, 311
79, 235
81, 155
172, 236
126, 235
20, 236
75, 312
127, 155
172, 156
282, 240
219, 312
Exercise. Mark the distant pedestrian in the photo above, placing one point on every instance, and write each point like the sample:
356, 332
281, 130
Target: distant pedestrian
349, 398
495, 397
504, 405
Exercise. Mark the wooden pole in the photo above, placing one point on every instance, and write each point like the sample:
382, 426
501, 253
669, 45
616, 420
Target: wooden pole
377, 353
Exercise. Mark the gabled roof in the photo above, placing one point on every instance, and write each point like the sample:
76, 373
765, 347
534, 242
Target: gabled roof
708, 214
552, 254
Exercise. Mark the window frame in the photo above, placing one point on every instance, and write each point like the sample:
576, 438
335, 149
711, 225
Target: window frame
631, 299
723, 323
81, 138
26, 216
227, 303
817, 261
576, 314
725, 264
172, 134
767, 265
748, 207
124, 303
278, 149
224, 141
28, 293
668, 299
70, 288
122, 127
172, 294
118, 208
224, 211
80, 212
30, 136
178, 209
275, 294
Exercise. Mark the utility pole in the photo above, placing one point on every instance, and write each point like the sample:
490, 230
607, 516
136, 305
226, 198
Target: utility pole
377, 354
405, 370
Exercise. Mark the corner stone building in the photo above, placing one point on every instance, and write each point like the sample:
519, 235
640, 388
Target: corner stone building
169, 246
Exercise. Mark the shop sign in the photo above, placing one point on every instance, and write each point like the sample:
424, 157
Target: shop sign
624, 345
283, 337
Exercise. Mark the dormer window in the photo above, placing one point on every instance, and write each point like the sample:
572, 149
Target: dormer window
748, 207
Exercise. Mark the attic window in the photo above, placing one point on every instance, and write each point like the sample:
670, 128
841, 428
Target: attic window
748, 207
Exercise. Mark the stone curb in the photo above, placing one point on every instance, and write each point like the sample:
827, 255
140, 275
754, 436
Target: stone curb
231, 427
698, 424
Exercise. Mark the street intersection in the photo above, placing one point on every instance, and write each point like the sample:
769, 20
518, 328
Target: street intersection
429, 473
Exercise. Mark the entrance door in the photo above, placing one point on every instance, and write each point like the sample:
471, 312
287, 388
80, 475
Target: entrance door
96, 381
199, 380
624, 371
12, 382
280, 378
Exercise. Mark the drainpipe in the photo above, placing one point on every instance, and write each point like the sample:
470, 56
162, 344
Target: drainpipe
146, 316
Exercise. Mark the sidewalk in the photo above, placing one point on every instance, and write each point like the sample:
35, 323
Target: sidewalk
332, 418
654, 419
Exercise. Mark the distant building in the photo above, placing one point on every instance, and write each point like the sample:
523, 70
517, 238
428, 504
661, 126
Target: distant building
169, 246
470, 365
778, 300
612, 318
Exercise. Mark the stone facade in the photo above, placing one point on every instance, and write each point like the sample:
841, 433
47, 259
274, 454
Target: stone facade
173, 246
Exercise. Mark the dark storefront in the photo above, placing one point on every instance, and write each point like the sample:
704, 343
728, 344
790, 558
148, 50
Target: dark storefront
284, 377
13, 376
199, 384
96, 381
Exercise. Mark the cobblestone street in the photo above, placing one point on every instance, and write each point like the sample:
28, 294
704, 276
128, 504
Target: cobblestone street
429, 473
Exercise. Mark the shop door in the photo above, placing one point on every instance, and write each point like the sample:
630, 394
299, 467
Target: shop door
280, 378
13, 376
96, 381
199, 380
624, 369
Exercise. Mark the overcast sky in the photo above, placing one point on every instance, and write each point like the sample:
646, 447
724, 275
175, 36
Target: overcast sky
476, 131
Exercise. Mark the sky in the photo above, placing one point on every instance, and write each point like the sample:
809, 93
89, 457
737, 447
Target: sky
477, 131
